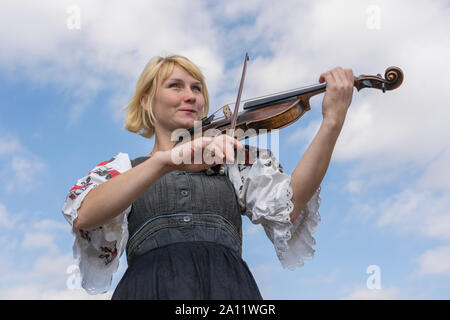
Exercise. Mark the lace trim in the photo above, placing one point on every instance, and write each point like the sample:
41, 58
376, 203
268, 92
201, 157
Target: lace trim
293, 241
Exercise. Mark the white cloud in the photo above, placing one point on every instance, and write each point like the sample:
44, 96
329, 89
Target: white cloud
20, 168
264, 274
435, 262
44, 277
51, 225
20, 292
304, 134
6, 220
36, 268
331, 277
354, 186
42, 234
26, 173
418, 212
9, 145
437, 173
37, 292
360, 293
109, 50
33, 240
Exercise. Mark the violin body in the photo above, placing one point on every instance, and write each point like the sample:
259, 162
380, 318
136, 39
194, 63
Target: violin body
278, 116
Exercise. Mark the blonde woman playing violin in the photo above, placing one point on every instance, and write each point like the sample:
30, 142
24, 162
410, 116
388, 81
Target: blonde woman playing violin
180, 223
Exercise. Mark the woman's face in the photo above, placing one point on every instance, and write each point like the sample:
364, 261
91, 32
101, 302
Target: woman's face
178, 101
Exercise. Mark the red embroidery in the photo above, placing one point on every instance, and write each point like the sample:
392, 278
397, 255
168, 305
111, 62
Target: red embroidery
76, 190
108, 173
85, 235
105, 162
109, 255
114, 173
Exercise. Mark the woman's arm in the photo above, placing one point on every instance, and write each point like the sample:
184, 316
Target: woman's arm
109, 199
310, 171
112, 197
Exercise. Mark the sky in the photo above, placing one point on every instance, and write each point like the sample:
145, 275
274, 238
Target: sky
68, 67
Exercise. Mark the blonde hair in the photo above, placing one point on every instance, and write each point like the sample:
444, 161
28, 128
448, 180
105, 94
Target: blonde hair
142, 120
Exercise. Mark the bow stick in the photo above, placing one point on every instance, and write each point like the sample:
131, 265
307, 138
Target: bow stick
230, 131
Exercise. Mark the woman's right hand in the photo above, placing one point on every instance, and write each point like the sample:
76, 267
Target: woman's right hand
201, 153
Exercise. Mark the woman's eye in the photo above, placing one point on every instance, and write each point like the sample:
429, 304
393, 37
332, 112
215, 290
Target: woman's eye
174, 85
197, 88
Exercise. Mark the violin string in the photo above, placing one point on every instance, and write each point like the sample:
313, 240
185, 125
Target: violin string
260, 97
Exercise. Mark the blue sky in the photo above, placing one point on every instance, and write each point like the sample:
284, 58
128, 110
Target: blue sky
385, 198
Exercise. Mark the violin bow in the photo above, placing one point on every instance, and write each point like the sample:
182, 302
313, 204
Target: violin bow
230, 131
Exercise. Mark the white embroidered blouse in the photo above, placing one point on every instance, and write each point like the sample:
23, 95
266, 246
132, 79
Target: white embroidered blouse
263, 192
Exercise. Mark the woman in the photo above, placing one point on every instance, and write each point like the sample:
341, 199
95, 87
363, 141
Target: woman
179, 221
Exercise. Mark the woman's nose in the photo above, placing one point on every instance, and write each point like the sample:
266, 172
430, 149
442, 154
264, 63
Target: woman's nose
189, 95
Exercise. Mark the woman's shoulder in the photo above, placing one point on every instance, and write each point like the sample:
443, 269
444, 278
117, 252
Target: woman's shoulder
120, 156
123, 157
138, 160
118, 162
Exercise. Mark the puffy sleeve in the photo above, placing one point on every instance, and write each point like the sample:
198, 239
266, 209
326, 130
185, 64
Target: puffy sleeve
265, 197
98, 251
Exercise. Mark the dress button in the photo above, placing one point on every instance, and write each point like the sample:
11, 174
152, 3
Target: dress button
184, 193
187, 219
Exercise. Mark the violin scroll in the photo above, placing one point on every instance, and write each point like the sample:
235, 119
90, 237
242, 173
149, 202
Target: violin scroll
393, 78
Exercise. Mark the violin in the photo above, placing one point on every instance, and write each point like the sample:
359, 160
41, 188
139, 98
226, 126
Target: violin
280, 110
276, 111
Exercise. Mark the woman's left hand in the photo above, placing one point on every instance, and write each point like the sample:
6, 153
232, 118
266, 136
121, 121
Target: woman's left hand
338, 95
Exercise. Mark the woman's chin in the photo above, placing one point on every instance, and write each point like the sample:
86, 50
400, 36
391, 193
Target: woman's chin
189, 123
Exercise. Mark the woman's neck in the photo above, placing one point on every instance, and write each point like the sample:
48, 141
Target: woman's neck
163, 142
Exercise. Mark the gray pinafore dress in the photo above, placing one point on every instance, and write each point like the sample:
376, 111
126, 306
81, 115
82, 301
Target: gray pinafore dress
185, 241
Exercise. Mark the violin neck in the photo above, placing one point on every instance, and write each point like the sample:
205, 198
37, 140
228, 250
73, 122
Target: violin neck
293, 95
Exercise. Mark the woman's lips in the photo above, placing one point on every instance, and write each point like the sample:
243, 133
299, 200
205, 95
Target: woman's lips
188, 110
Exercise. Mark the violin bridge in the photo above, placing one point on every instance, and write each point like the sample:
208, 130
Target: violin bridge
227, 112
